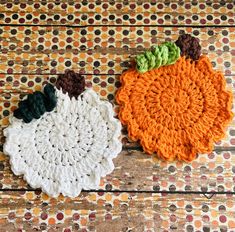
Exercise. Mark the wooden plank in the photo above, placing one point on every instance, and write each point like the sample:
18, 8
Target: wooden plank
103, 212
136, 171
82, 13
101, 49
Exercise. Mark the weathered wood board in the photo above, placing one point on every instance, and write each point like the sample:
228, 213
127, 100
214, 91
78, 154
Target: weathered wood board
136, 171
137, 212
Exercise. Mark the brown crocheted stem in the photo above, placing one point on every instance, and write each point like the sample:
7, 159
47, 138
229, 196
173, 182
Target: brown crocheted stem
189, 46
71, 83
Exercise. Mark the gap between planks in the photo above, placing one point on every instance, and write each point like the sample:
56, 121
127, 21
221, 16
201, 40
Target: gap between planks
114, 25
139, 148
208, 194
84, 74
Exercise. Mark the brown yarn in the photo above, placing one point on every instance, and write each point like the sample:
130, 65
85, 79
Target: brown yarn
189, 46
71, 83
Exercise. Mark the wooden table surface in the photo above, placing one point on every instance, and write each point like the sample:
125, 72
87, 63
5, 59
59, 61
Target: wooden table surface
39, 39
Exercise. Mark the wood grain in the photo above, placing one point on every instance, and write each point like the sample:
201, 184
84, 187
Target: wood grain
136, 171
75, 13
38, 39
137, 212
36, 53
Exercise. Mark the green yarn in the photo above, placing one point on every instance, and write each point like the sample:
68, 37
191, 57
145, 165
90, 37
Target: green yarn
23, 112
142, 63
36, 104
164, 54
50, 101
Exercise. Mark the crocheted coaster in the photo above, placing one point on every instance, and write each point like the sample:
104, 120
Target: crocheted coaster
68, 149
178, 110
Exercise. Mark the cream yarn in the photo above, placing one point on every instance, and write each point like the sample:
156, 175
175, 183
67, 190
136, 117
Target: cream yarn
66, 150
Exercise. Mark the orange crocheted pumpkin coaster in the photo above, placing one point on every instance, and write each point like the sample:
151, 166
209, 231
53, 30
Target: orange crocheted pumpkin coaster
178, 110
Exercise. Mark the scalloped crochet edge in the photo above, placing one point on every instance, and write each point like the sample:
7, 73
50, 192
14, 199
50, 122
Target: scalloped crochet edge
61, 190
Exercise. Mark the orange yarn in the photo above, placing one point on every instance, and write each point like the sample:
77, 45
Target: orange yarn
176, 111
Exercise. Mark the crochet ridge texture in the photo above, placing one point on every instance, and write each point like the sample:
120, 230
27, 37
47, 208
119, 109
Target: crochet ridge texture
71, 82
68, 149
189, 46
161, 55
176, 111
36, 104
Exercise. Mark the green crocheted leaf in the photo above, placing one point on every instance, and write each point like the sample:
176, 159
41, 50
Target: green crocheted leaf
174, 52
23, 112
36, 101
151, 59
157, 53
142, 63
36, 104
50, 100
164, 54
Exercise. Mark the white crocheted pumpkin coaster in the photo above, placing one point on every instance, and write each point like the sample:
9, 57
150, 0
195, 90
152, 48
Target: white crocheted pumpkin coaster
68, 149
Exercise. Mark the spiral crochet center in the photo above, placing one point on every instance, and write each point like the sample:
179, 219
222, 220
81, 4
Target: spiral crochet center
174, 101
68, 149
175, 111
